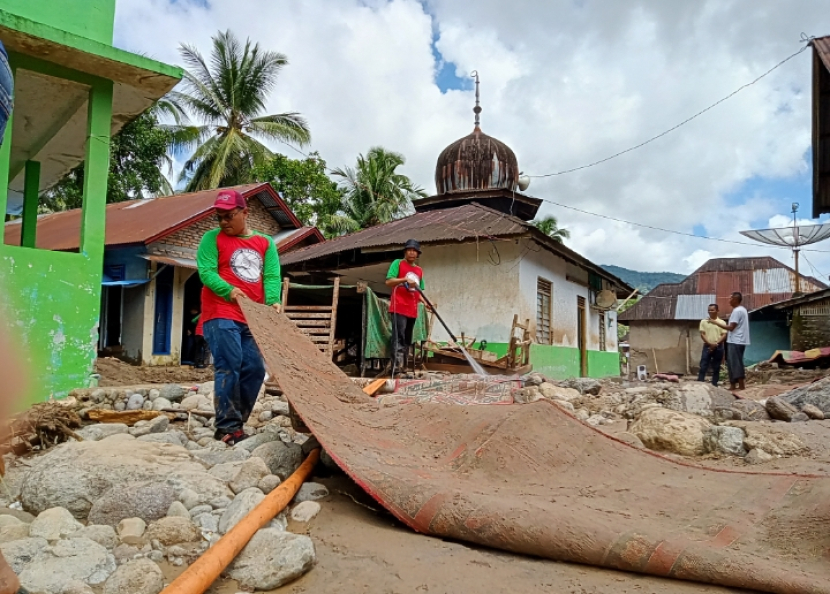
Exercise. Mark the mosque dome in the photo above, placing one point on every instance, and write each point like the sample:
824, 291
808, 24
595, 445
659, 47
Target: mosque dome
476, 162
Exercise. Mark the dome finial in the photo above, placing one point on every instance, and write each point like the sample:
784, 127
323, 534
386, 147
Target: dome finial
477, 108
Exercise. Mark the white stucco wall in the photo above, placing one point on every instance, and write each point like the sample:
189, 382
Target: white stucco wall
473, 295
478, 297
538, 262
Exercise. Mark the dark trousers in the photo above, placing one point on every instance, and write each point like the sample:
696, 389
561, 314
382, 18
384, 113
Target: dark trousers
200, 351
711, 359
238, 372
402, 327
735, 362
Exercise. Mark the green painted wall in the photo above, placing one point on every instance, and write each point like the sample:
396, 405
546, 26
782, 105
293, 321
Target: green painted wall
93, 19
51, 300
559, 362
603, 364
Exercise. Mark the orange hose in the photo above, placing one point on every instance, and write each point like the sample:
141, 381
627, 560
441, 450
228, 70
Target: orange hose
198, 577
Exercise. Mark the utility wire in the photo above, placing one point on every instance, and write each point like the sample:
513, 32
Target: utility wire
804, 39
673, 231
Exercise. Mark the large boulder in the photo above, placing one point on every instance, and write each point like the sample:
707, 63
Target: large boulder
817, 394
750, 410
772, 440
140, 576
281, 458
148, 501
75, 559
554, 392
240, 507
271, 559
19, 554
583, 385
101, 431
780, 410
726, 440
671, 431
54, 524
699, 398
249, 474
75, 474
173, 530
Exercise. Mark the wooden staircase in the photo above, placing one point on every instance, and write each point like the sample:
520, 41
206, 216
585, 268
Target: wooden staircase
318, 322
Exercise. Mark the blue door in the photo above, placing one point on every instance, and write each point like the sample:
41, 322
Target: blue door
164, 312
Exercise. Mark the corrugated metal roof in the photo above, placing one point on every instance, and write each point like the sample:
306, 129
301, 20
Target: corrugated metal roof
171, 261
145, 220
434, 226
761, 281
458, 224
693, 307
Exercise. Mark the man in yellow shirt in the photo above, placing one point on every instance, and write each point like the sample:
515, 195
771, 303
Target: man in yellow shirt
713, 338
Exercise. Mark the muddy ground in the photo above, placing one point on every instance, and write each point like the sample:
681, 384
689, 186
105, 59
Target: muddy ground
115, 372
367, 551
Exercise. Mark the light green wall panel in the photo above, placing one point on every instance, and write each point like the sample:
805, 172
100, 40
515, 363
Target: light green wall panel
93, 19
603, 364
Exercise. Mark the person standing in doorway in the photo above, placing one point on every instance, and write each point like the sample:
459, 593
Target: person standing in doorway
404, 276
713, 338
235, 263
736, 341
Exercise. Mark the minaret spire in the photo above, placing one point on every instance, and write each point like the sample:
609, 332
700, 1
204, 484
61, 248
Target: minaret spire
477, 108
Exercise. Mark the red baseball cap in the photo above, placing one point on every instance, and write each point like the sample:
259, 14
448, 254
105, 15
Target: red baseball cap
228, 200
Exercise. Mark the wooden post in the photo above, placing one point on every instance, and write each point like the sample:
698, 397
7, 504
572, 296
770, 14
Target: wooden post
285, 284
335, 298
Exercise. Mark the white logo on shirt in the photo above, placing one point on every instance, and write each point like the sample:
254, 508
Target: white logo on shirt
247, 265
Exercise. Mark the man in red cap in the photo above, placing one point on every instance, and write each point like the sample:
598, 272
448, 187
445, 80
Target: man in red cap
235, 263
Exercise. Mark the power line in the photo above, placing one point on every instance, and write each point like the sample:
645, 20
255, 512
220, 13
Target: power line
804, 39
673, 231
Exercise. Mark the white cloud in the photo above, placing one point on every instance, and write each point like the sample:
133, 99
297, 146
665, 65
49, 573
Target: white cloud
564, 83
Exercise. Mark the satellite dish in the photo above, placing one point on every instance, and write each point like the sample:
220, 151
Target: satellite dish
524, 181
606, 298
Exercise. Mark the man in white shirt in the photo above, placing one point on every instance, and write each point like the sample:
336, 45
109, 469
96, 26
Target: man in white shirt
736, 341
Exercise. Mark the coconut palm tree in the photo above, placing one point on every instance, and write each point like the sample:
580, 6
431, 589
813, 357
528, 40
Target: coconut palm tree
228, 96
550, 227
374, 193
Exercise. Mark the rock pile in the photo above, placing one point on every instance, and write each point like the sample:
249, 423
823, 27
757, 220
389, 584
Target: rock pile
107, 510
687, 418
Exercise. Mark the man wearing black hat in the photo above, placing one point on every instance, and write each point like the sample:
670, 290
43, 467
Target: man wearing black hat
404, 276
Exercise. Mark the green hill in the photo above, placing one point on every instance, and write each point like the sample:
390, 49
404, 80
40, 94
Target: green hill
645, 281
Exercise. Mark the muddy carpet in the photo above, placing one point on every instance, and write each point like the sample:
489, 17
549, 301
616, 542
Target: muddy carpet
532, 479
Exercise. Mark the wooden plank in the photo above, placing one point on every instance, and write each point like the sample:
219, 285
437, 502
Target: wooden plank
311, 323
285, 284
309, 316
372, 388
334, 300
293, 308
323, 339
314, 331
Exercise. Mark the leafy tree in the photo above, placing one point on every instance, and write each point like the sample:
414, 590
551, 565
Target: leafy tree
311, 194
374, 193
550, 227
138, 154
228, 96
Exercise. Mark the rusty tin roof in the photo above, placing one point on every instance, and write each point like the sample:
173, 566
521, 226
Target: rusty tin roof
461, 224
146, 220
761, 281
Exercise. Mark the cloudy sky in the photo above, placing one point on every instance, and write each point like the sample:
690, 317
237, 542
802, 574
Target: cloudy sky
564, 83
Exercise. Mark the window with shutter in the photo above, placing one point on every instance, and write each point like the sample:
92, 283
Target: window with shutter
544, 310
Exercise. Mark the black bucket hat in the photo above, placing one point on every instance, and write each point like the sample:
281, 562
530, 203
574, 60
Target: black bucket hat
412, 244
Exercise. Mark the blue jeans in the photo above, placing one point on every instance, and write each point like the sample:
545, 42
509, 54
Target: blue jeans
238, 372
711, 359
6, 91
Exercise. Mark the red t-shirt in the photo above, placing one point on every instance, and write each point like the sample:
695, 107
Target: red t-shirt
241, 262
405, 301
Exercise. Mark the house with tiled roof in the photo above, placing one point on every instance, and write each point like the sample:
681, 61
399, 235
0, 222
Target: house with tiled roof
149, 281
